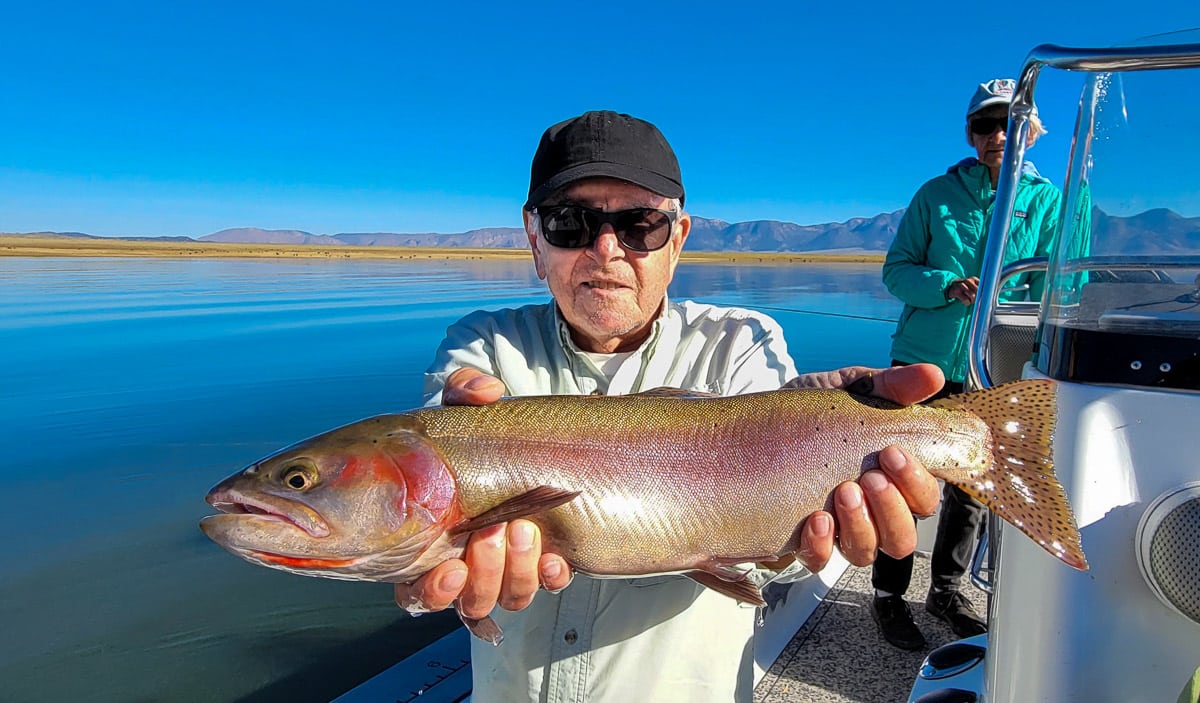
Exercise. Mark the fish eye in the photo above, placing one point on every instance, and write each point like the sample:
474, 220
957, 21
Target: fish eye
298, 477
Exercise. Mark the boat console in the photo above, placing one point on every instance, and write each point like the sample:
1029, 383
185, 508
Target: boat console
1119, 328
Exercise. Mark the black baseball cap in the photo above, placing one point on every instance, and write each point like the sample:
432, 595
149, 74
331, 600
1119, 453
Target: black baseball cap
608, 144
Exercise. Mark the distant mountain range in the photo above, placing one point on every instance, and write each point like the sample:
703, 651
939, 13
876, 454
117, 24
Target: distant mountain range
1153, 231
872, 234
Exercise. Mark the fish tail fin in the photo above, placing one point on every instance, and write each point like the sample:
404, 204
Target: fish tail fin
1020, 485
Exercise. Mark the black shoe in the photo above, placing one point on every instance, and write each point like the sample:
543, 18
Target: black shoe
895, 623
954, 608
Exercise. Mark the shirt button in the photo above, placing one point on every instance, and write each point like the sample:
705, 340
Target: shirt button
570, 637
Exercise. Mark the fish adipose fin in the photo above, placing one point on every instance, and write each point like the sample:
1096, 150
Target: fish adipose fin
730, 582
1020, 486
531, 502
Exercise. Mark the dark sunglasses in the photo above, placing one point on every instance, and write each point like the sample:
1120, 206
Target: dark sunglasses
575, 226
984, 126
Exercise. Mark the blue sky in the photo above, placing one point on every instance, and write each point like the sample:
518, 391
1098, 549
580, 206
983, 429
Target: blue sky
184, 118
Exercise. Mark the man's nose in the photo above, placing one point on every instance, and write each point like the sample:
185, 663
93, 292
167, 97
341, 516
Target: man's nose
606, 245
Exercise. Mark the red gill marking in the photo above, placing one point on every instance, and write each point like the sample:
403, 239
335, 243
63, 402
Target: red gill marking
351, 472
430, 483
304, 562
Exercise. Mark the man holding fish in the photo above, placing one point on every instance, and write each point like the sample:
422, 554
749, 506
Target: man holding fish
655, 446
606, 226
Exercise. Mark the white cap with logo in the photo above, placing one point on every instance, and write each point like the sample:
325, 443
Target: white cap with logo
998, 91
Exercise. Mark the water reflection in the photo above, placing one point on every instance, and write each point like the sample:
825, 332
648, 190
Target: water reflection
132, 385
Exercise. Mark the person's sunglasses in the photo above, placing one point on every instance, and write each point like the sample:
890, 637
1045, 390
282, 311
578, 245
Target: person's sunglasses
984, 126
575, 226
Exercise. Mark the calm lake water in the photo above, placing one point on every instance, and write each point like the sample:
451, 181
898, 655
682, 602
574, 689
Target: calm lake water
128, 387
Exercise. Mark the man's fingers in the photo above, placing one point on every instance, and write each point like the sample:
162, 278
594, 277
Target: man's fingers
485, 557
918, 487
816, 541
555, 571
905, 385
435, 590
970, 289
908, 385
838, 378
521, 573
895, 529
467, 386
856, 534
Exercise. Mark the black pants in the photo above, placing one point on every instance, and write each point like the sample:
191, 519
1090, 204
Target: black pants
957, 530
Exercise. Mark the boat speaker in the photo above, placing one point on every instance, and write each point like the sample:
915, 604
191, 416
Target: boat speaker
1168, 549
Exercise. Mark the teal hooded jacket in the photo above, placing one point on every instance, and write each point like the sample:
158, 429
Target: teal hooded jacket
941, 238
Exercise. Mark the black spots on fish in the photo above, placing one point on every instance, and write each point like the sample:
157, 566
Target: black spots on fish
1020, 486
1039, 508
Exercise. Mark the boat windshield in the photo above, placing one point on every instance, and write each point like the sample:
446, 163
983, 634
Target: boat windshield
1123, 286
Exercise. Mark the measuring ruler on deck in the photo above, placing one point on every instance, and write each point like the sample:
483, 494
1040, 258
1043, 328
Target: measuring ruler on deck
439, 673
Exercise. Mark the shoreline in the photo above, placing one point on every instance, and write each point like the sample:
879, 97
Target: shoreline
35, 246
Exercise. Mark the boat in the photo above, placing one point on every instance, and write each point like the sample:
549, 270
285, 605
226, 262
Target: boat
1119, 330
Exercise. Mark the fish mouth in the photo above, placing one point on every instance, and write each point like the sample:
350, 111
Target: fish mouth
302, 517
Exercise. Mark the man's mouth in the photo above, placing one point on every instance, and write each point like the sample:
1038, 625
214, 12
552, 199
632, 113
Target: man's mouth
604, 285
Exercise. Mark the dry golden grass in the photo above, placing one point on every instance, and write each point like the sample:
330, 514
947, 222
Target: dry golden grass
34, 245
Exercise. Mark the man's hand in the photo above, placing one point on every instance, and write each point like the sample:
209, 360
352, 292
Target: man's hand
504, 564
467, 386
963, 290
876, 511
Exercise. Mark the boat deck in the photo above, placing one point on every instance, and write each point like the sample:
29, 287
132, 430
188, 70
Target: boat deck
838, 655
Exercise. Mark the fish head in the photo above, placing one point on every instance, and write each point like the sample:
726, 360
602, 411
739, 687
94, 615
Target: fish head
362, 502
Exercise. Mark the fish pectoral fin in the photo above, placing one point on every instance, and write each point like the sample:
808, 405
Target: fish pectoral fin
666, 392
485, 628
532, 502
728, 581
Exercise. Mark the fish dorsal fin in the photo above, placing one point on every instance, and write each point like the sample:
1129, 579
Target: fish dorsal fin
667, 392
729, 582
532, 502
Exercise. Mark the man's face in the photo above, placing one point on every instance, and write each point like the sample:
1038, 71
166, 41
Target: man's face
609, 295
989, 148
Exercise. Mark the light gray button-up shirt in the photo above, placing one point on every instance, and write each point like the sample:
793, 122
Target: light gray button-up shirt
651, 639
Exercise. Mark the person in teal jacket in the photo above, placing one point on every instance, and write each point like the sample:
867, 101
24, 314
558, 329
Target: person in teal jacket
933, 266
934, 262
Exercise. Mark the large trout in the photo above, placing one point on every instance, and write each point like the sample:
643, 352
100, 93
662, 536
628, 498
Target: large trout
665, 481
